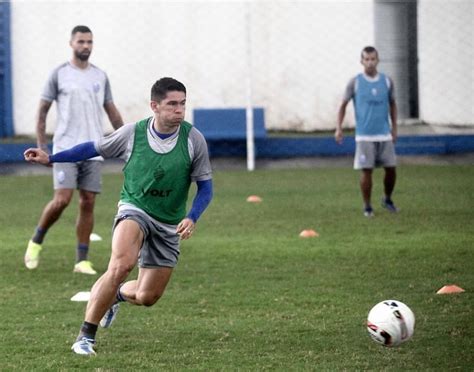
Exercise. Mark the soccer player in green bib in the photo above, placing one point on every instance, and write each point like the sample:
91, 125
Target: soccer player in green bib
163, 155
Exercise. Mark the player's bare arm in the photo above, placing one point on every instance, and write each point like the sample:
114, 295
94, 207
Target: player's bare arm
340, 119
113, 114
393, 118
43, 110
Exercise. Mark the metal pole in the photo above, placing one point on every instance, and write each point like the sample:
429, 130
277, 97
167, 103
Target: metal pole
249, 107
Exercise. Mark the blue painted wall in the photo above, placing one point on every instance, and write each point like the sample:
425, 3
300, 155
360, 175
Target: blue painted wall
6, 111
303, 147
326, 146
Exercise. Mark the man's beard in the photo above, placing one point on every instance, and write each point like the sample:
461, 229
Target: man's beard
83, 56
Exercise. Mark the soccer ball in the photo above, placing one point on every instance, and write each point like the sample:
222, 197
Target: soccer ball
390, 323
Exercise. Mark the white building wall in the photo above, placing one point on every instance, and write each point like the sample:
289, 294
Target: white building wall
303, 53
304, 56
446, 61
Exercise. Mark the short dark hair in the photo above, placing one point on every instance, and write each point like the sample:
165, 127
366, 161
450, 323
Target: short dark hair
165, 85
80, 28
368, 49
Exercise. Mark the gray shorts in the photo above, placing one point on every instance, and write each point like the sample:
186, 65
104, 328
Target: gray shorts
160, 242
370, 155
84, 175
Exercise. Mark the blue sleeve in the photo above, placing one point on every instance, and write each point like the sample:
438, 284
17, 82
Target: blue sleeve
201, 200
77, 153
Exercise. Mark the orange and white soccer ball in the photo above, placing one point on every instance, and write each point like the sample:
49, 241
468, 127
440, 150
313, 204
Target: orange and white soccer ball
390, 323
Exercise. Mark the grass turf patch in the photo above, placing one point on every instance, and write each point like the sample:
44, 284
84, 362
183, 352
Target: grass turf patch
248, 293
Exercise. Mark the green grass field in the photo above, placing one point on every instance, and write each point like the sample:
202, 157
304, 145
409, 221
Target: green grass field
248, 293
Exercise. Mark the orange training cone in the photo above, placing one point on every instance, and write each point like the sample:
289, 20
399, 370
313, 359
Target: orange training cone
254, 199
448, 289
308, 234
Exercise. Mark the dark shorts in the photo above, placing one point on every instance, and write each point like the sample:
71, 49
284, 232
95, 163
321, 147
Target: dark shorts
160, 242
